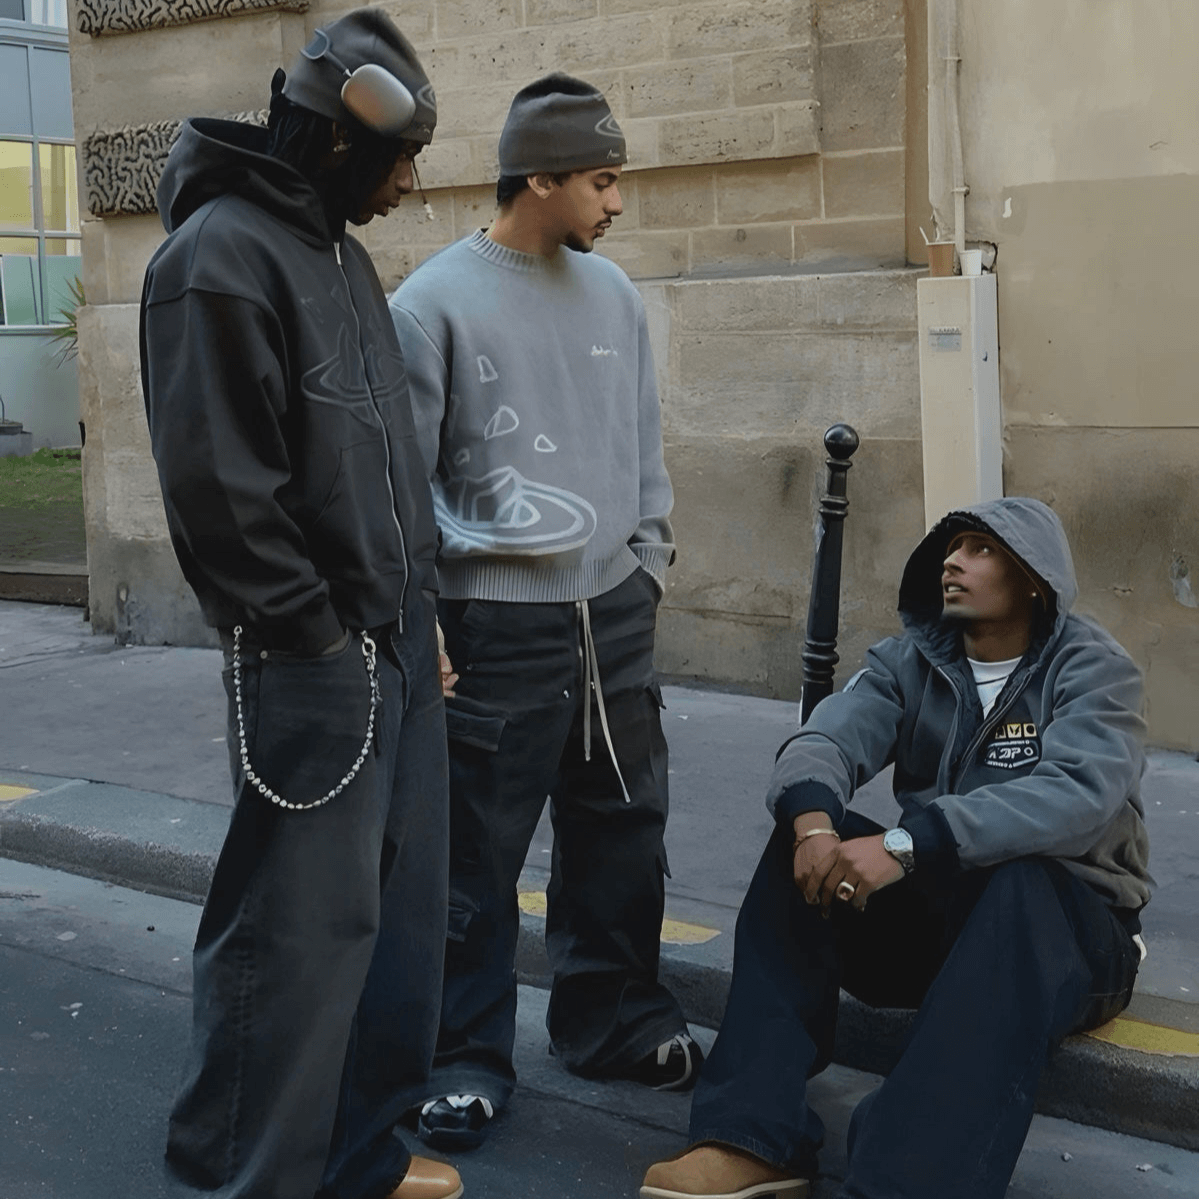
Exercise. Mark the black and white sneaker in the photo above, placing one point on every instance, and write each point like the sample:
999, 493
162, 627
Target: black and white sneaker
455, 1122
673, 1066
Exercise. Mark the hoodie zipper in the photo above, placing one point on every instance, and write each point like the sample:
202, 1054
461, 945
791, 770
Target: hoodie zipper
986, 728
395, 515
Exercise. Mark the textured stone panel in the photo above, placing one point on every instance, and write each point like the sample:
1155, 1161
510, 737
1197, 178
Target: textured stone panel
768, 76
676, 199
852, 245
869, 184
649, 255
855, 20
661, 89
746, 133
97, 17
772, 190
469, 18
122, 167
863, 101
695, 30
761, 304
765, 248
880, 300
545, 12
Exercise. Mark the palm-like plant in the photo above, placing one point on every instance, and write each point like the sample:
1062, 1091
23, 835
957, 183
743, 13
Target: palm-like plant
66, 332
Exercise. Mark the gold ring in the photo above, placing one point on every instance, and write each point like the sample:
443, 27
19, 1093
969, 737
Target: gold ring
846, 890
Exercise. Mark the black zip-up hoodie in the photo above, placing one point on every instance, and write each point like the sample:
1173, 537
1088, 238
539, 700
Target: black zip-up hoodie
277, 402
1053, 770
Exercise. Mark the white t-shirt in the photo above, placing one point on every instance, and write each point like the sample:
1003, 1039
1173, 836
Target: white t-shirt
989, 678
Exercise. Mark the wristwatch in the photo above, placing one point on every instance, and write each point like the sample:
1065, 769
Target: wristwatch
898, 843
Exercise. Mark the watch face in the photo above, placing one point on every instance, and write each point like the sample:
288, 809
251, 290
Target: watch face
898, 843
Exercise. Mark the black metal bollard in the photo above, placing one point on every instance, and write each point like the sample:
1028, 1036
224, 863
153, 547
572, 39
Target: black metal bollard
820, 647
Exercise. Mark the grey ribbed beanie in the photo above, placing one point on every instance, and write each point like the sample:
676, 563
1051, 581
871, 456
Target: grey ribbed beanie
366, 35
559, 124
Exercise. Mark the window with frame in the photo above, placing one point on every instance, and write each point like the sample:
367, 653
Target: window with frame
39, 191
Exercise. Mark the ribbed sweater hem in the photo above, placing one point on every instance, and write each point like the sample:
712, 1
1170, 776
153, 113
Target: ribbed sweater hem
517, 582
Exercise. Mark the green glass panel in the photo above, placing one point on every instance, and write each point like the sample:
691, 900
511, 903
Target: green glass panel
18, 285
16, 185
60, 189
62, 273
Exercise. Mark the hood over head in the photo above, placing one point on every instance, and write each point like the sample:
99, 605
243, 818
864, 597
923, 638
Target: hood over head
215, 158
1028, 529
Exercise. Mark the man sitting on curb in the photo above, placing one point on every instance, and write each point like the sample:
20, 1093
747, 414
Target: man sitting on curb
1004, 905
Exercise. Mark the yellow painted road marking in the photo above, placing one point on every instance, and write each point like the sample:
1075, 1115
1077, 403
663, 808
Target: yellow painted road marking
8, 792
1148, 1038
674, 932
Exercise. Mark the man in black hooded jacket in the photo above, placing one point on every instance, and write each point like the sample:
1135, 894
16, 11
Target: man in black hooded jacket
299, 511
1003, 905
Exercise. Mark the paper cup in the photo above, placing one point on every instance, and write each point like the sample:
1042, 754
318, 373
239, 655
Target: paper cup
972, 262
940, 259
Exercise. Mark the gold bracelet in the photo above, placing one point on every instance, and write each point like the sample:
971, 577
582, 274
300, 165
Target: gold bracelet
816, 832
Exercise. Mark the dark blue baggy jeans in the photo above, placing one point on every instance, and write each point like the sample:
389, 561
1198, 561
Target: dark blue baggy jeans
516, 737
318, 961
1001, 964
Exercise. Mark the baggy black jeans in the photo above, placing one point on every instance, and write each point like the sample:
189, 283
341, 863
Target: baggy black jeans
516, 737
1002, 963
317, 967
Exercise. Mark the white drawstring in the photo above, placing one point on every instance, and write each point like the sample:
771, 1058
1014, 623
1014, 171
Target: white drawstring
591, 682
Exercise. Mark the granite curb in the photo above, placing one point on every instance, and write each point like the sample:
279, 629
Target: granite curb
168, 846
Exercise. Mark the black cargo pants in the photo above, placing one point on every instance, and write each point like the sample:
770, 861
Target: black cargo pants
516, 734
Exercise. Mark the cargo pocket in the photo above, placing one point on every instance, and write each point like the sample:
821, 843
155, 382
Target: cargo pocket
469, 722
461, 912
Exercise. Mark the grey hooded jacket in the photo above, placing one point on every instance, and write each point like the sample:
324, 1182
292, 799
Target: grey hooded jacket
1053, 770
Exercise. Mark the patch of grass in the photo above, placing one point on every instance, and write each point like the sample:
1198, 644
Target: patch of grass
48, 477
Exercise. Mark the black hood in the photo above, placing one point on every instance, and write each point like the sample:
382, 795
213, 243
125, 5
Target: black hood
1027, 528
214, 158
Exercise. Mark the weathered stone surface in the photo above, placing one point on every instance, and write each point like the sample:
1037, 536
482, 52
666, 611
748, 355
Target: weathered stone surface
878, 300
855, 20
683, 198
768, 248
544, 12
647, 254
736, 601
1128, 499
98, 17
679, 87
867, 184
111, 72
752, 383
768, 76
746, 133
797, 129
756, 304
694, 30
468, 18
128, 245
774, 190
862, 94
851, 245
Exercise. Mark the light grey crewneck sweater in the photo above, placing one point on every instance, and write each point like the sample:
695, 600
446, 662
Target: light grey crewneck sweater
537, 413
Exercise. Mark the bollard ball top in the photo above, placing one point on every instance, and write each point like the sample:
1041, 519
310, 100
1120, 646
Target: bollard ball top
841, 441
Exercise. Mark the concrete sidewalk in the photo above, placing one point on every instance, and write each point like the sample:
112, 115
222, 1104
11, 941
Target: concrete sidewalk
113, 764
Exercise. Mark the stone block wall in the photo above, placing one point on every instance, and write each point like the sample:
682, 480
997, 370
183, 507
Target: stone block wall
764, 135
766, 158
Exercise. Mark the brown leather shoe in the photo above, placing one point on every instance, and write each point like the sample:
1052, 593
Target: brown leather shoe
427, 1179
720, 1172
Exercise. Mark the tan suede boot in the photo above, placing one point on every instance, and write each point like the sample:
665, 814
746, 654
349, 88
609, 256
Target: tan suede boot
720, 1172
427, 1179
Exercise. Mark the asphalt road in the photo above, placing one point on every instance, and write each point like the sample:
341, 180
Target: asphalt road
94, 1009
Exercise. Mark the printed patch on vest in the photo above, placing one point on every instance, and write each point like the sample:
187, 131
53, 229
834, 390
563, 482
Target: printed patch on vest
1014, 745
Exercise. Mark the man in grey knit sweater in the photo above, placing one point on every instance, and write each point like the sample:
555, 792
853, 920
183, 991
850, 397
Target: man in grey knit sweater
537, 415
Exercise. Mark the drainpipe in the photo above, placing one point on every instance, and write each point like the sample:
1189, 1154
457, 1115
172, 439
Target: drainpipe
953, 128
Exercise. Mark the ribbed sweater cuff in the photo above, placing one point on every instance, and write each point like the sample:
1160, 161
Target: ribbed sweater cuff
808, 797
654, 559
